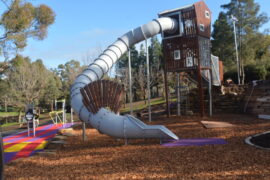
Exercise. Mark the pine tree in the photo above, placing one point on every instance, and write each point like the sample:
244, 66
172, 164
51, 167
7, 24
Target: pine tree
223, 41
248, 24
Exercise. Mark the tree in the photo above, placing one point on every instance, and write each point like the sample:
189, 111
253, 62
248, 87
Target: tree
123, 61
155, 52
92, 55
141, 82
223, 41
141, 60
68, 73
248, 24
26, 80
52, 91
247, 13
122, 75
4, 93
138, 64
155, 56
20, 21
122, 71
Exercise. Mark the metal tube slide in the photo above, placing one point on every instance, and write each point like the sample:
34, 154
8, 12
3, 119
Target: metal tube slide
106, 121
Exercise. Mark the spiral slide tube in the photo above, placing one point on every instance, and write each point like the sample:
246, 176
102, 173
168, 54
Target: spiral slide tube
105, 121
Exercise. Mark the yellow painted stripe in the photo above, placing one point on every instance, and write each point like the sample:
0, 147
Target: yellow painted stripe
16, 147
42, 145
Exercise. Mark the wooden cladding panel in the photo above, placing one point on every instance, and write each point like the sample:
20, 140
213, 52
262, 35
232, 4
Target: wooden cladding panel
189, 22
103, 93
201, 9
188, 47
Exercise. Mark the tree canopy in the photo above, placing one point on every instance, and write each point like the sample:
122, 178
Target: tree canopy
20, 21
253, 45
222, 43
26, 80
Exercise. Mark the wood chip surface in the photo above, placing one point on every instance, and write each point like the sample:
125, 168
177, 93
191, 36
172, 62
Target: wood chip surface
103, 157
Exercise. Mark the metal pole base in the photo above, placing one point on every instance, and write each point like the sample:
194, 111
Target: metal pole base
1, 158
83, 133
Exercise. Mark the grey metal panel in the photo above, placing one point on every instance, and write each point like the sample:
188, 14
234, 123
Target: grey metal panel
205, 52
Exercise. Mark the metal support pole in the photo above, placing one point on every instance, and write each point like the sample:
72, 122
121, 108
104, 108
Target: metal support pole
71, 115
148, 81
1, 157
253, 86
34, 127
236, 49
166, 93
187, 99
64, 111
28, 128
200, 88
178, 95
55, 106
210, 93
83, 133
130, 83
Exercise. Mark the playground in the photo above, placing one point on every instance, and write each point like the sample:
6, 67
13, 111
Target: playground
103, 157
169, 99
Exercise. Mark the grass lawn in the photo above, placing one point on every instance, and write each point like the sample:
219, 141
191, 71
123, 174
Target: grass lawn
8, 118
10, 124
139, 105
104, 157
7, 114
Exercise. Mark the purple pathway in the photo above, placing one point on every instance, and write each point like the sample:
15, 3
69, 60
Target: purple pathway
195, 142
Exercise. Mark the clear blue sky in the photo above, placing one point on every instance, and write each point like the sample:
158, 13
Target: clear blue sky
83, 26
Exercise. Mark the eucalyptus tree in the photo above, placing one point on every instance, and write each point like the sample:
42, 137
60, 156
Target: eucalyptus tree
67, 73
27, 80
22, 20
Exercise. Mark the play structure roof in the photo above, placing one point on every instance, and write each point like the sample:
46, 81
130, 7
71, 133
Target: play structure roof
176, 9
195, 5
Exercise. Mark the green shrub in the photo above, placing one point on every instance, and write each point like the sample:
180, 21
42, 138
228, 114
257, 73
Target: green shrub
231, 74
268, 74
253, 72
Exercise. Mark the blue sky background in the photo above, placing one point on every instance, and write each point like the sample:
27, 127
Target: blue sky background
82, 27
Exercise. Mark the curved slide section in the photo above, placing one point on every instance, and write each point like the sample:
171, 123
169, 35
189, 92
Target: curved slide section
106, 121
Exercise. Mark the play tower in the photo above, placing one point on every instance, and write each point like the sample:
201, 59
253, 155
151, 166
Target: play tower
187, 49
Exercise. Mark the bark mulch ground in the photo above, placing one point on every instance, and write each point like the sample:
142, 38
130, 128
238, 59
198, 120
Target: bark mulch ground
103, 157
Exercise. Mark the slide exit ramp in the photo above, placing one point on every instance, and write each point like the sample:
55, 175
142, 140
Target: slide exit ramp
104, 120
